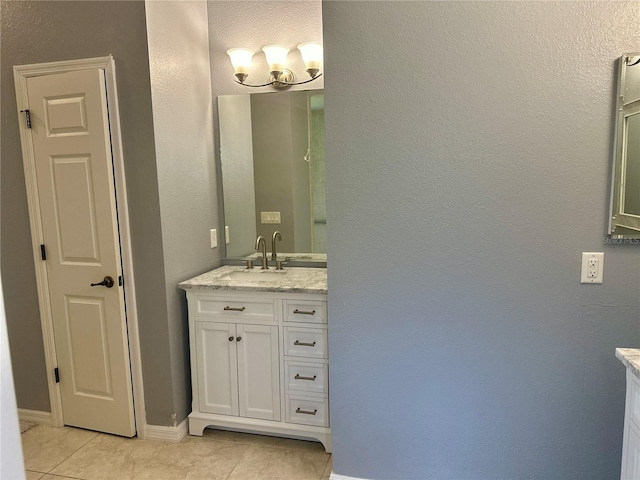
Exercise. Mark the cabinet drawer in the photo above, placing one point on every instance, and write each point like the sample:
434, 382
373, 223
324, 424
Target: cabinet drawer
305, 311
231, 308
305, 342
308, 410
306, 377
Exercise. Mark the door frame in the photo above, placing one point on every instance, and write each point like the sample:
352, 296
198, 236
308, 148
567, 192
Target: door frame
20, 75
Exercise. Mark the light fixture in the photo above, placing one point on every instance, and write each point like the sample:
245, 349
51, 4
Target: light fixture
276, 56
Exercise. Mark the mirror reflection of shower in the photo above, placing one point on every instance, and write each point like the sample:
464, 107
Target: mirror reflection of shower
317, 173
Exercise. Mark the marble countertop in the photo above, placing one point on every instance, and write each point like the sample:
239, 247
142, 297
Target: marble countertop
235, 278
631, 358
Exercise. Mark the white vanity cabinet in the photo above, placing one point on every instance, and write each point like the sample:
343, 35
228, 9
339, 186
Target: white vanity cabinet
631, 437
630, 470
259, 363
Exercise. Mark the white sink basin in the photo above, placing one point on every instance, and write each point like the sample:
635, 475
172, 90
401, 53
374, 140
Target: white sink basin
254, 275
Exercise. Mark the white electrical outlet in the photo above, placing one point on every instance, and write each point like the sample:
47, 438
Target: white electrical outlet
592, 267
226, 234
214, 237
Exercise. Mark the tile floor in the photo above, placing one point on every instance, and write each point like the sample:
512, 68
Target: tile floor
59, 453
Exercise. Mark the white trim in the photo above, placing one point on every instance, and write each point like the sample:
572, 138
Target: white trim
335, 476
126, 250
20, 74
167, 434
34, 416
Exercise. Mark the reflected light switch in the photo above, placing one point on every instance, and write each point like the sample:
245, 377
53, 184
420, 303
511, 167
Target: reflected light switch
269, 217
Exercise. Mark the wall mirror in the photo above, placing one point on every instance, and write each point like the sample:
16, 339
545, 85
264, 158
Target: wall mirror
625, 189
273, 172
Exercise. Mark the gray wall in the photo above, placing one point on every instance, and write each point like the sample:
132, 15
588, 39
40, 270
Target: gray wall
281, 179
33, 32
182, 116
272, 152
468, 161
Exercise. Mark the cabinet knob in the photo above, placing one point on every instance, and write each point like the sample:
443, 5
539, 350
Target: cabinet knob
231, 339
238, 339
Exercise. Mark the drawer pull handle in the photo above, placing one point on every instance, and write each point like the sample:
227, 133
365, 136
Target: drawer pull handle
231, 339
234, 309
306, 412
238, 339
304, 344
300, 377
302, 312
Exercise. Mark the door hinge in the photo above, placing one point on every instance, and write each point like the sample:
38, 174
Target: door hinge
120, 280
43, 252
56, 372
27, 117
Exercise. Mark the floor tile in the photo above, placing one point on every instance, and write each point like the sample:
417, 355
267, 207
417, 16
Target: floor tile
193, 459
34, 475
109, 457
45, 447
327, 470
51, 476
261, 462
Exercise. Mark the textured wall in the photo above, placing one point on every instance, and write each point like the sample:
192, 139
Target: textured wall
182, 120
468, 161
33, 32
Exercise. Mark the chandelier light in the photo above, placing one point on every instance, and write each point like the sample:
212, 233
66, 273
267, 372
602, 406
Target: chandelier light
276, 55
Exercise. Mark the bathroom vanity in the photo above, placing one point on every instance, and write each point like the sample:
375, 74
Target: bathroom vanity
630, 357
259, 356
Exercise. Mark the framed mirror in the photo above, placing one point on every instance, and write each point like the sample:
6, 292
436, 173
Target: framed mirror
273, 172
625, 188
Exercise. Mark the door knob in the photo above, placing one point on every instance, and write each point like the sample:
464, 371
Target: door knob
107, 282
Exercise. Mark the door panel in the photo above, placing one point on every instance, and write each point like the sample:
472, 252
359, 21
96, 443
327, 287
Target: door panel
258, 371
217, 365
74, 211
90, 369
76, 192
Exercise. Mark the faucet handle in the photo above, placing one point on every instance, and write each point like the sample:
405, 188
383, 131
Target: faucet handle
249, 264
279, 263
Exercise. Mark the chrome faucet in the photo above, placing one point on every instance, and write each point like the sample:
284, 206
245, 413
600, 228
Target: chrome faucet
261, 244
277, 235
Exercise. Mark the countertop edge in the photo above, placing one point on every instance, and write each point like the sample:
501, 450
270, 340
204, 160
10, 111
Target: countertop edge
630, 357
292, 280
226, 288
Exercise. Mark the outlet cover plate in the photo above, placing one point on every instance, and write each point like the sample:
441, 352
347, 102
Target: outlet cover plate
592, 267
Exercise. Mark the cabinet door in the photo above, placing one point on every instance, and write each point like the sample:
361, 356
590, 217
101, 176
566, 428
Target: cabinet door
631, 455
258, 371
217, 366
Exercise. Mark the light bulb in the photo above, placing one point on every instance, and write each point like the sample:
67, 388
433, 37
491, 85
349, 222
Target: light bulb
276, 57
311, 55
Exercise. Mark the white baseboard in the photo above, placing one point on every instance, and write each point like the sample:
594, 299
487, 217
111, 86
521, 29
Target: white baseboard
35, 416
335, 476
166, 434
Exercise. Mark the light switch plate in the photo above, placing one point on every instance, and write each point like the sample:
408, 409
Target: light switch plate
214, 237
592, 267
269, 217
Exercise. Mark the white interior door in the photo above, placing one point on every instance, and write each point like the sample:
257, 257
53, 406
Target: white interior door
74, 170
